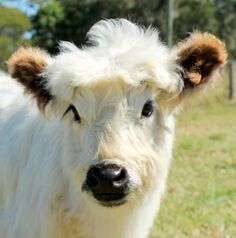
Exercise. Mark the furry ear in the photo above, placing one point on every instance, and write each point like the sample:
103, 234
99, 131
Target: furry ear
26, 65
200, 56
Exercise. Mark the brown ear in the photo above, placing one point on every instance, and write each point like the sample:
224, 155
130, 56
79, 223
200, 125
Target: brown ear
200, 56
26, 65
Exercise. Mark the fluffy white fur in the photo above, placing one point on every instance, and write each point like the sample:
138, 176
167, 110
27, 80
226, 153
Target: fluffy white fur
44, 159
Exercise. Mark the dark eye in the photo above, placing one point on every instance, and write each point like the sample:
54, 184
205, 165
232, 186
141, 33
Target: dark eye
147, 109
72, 109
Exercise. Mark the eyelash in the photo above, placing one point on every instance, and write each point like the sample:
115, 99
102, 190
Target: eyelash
75, 113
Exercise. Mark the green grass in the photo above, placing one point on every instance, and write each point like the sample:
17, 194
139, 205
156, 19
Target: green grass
200, 200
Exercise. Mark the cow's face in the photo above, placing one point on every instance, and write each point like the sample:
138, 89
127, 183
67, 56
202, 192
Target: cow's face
122, 140
117, 98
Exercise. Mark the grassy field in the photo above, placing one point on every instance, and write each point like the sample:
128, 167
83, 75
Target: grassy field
200, 200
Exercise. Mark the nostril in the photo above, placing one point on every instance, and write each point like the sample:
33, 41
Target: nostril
92, 180
121, 181
121, 176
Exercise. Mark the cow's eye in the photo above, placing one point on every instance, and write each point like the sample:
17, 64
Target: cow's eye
147, 109
76, 115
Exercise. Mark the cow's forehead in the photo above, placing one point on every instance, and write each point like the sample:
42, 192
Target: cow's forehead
119, 50
84, 68
114, 92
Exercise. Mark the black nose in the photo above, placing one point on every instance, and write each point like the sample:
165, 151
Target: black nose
107, 182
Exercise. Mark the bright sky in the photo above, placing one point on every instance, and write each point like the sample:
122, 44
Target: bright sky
21, 5
24, 7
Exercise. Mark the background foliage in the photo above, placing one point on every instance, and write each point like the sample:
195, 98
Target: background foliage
13, 25
71, 19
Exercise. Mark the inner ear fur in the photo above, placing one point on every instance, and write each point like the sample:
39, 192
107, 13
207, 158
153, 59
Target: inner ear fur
26, 66
200, 56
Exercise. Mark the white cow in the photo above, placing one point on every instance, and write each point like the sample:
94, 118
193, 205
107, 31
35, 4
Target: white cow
86, 136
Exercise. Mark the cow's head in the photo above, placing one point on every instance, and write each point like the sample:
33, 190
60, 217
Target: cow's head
117, 98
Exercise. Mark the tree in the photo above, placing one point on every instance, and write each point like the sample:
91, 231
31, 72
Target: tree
46, 25
71, 19
13, 25
194, 15
225, 13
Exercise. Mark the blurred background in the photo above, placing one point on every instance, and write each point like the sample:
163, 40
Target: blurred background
201, 194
